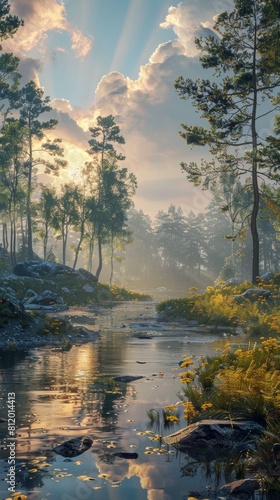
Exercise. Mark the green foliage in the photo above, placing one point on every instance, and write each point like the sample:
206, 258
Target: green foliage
76, 296
218, 306
239, 56
241, 384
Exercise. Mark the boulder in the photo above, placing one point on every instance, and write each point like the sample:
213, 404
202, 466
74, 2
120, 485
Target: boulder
253, 294
73, 447
88, 289
267, 276
234, 281
243, 489
87, 275
11, 307
215, 438
41, 268
46, 298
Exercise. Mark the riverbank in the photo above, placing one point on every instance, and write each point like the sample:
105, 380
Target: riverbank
33, 298
253, 308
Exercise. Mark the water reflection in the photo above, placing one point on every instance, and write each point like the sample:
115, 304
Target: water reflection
64, 395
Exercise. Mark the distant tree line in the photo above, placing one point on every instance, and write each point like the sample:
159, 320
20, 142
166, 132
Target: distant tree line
202, 243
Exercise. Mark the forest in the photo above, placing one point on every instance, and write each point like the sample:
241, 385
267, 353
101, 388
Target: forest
93, 219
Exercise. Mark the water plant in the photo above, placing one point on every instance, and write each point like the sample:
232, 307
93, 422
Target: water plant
241, 384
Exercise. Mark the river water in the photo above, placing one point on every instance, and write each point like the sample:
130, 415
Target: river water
61, 395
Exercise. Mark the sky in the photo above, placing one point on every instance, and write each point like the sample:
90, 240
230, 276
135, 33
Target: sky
121, 57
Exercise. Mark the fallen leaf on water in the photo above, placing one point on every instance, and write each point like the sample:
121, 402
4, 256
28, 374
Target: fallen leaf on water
104, 476
86, 478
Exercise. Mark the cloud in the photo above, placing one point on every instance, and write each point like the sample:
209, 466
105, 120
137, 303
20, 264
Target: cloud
30, 68
149, 114
39, 19
81, 45
146, 108
188, 20
68, 129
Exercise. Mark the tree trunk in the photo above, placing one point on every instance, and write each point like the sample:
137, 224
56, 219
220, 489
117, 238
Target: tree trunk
100, 263
5, 236
79, 247
256, 195
64, 244
112, 260
45, 241
90, 251
28, 203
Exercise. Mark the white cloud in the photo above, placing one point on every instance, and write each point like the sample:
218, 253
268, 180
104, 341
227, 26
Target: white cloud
81, 45
39, 19
190, 19
146, 108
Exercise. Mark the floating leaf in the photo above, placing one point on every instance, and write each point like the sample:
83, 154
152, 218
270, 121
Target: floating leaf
104, 476
86, 478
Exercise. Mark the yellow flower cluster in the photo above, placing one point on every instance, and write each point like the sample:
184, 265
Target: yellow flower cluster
206, 406
172, 418
189, 411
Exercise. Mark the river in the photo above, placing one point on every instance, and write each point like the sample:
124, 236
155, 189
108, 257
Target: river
61, 395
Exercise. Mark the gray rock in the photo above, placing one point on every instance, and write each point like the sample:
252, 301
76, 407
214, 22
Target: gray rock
88, 288
87, 275
267, 277
215, 438
46, 298
126, 378
234, 281
41, 268
65, 289
38, 307
253, 294
73, 447
243, 489
30, 293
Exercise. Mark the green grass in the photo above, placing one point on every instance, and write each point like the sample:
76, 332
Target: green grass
76, 296
217, 306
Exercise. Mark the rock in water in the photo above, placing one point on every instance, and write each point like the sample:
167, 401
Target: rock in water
216, 438
73, 447
243, 489
126, 378
126, 455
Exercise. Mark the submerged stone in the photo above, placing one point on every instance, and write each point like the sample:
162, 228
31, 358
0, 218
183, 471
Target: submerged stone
215, 438
73, 447
126, 455
126, 378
